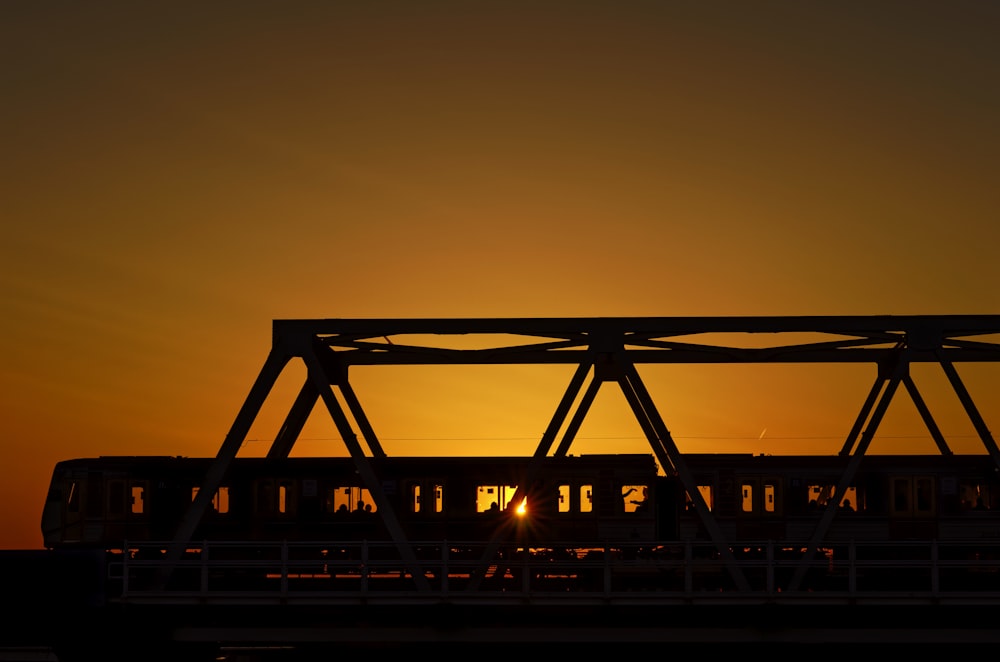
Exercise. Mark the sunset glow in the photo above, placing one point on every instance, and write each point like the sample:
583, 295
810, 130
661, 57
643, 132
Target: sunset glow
174, 181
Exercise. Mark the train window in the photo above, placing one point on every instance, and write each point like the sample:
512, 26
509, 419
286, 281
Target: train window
707, 495
94, 497
564, 504
418, 504
137, 498
924, 491
912, 495
73, 502
974, 495
820, 495
760, 496
493, 497
770, 490
414, 498
283, 497
634, 497
349, 499
586, 498
220, 500
746, 497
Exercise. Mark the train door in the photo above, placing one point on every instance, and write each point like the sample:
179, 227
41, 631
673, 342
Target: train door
125, 509
422, 514
759, 515
275, 502
912, 507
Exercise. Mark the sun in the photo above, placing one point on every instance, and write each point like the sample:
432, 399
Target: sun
522, 509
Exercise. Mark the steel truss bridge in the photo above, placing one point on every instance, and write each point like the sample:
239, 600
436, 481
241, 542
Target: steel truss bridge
631, 598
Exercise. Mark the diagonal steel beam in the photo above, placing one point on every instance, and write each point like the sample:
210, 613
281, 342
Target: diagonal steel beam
864, 414
276, 361
668, 454
296, 419
925, 414
899, 370
569, 435
317, 371
970, 408
531, 471
367, 431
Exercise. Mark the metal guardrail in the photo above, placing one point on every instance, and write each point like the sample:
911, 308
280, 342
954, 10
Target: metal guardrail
245, 572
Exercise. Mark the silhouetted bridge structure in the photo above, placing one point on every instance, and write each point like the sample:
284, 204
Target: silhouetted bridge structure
308, 595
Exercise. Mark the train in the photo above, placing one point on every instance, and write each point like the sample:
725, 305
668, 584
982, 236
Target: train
107, 502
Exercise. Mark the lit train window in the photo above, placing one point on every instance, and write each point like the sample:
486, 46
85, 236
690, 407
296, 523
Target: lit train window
493, 497
137, 498
564, 504
438, 498
707, 495
220, 501
769, 494
349, 499
820, 495
586, 498
634, 497
415, 498
746, 501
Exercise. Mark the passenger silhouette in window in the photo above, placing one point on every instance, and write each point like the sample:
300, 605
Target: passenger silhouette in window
640, 504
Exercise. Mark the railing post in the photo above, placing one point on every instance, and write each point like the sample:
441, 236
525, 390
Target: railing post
770, 567
443, 573
935, 579
125, 559
364, 567
204, 568
607, 571
525, 569
688, 569
284, 567
852, 576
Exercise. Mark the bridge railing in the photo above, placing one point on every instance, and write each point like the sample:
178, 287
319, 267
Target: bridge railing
686, 570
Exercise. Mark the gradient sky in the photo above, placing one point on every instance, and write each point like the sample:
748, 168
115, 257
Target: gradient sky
177, 175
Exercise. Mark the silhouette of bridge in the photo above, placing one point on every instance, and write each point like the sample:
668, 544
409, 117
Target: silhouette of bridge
288, 596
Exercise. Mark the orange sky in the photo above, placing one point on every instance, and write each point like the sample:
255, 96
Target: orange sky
177, 175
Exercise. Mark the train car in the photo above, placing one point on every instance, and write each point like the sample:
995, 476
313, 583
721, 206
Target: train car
106, 502
889, 498
99, 502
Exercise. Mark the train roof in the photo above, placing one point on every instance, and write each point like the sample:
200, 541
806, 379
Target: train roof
627, 459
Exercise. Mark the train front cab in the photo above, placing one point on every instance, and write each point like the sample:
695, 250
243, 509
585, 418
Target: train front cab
90, 507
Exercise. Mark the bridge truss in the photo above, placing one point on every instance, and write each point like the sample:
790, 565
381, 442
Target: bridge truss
604, 350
